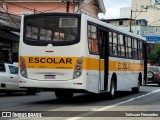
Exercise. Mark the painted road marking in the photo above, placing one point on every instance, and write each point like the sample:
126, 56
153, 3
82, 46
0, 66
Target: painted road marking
114, 105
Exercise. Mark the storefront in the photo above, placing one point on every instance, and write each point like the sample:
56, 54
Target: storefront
8, 47
9, 37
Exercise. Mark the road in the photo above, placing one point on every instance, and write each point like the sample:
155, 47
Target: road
87, 106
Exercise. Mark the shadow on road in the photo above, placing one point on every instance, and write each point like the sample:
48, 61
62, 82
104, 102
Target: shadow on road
90, 98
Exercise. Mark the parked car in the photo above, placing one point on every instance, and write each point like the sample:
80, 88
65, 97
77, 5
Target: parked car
153, 74
9, 79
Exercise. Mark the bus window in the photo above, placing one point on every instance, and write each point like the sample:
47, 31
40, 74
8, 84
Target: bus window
114, 44
32, 32
92, 39
140, 50
49, 35
121, 47
57, 30
134, 49
126, 47
43, 34
129, 47
110, 44
29, 32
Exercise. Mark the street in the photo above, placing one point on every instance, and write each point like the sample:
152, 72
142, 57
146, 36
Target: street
86, 105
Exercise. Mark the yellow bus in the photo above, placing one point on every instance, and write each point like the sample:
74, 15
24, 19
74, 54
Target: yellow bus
69, 53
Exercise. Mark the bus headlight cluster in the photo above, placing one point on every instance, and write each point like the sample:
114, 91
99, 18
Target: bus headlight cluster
78, 68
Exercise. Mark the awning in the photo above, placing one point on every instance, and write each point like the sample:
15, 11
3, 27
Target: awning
9, 36
9, 22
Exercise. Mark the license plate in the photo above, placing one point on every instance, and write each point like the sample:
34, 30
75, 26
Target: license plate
49, 76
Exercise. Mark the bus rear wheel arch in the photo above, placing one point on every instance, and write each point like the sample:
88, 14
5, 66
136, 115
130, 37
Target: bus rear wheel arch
139, 83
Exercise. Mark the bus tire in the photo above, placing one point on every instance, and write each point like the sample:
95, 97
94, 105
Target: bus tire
112, 88
63, 94
136, 89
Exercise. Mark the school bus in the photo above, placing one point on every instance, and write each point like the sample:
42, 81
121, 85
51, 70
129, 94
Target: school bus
69, 53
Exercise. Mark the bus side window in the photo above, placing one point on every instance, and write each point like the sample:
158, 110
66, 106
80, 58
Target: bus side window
140, 50
134, 48
126, 47
114, 44
121, 46
110, 44
92, 39
129, 47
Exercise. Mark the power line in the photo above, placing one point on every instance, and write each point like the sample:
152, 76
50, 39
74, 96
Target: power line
83, 6
35, 9
9, 16
24, 7
55, 8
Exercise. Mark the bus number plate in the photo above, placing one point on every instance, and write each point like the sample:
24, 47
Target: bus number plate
49, 77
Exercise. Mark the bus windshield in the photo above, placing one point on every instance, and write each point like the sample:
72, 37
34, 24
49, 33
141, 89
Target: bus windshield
57, 30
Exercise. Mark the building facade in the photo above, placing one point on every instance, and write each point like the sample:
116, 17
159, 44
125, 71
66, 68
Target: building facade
9, 39
11, 10
143, 9
151, 14
19, 7
125, 12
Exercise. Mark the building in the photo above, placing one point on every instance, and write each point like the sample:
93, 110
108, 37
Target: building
11, 10
9, 39
143, 9
148, 10
19, 7
125, 12
139, 27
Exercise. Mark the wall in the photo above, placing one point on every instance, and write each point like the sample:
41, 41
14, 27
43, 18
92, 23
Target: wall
19, 8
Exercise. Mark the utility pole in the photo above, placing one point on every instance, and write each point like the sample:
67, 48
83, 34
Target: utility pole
142, 7
67, 4
67, 7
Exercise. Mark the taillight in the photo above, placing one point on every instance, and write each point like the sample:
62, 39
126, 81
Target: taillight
158, 75
23, 69
78, 68
22, 66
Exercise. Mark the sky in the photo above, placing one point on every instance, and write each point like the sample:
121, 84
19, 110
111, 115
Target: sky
113, 8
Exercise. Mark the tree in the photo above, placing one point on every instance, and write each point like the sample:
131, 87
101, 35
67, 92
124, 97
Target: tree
154, 57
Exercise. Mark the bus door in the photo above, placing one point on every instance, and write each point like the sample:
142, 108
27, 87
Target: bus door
103, 61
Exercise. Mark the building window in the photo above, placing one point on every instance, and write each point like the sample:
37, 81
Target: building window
120, 22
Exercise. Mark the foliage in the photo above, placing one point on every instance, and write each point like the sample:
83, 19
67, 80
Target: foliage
154, 57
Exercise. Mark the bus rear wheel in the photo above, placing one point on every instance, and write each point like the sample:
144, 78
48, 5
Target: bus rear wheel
112, 91
136, 89
63, 94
